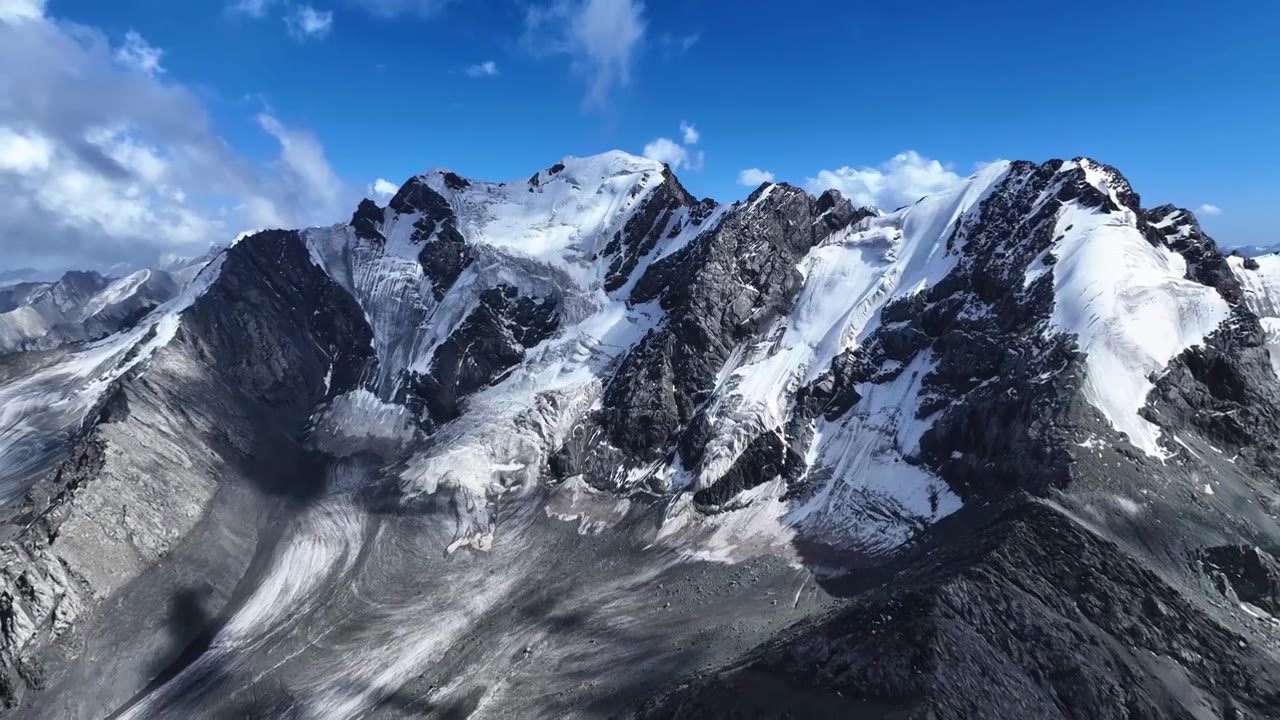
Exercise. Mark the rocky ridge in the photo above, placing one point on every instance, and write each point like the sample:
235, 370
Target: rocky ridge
938, 411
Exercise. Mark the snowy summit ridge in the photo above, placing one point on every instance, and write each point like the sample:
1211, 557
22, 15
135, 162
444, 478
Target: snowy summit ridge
584, 409
604, 265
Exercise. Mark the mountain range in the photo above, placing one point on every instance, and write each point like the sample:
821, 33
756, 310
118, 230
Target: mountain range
582, 444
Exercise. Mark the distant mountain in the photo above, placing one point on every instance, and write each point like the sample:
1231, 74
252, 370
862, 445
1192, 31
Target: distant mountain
584, 445
26, 275
81, 306
1253, 250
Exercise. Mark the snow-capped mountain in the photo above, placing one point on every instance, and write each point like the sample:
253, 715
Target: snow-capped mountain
522, 448
85, 305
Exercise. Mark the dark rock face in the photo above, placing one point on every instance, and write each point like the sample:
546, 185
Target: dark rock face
717, 291
767, 456
445, 257
445, 253
269, 281
646, 227
1251, 574
1025, 615
415, 196
264, 337
492, 340
456, 182
367, 221
1180, 230
1227, 392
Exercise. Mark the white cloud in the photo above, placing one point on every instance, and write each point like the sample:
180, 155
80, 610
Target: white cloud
751, 177
383, 188
302, 157
1209, 210
20, 10
307, 22
600, 36
102, 164
138, 54
690, 133
252, 8
668, 151
674, 154
24, 153
487, 68
901, 181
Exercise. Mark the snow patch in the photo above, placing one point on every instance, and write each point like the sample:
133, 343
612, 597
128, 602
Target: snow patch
1130, 307
358, 422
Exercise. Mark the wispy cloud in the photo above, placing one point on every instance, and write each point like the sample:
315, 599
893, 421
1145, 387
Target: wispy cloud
252, 8
751, 177
302, 157
689, 133
305, 22
600, 36
673, 45
487, 68
396, 8
137, 54
1209, 210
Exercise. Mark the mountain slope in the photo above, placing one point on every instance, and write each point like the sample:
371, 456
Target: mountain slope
522, 447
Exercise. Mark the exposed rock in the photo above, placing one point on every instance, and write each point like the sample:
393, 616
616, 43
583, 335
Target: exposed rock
367, 221
489, 342
601, 407
1026, 615
1252, 574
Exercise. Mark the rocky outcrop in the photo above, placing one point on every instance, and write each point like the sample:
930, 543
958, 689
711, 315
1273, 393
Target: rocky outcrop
492, 340
719, 291
225, 402
1023, 615
1249, 574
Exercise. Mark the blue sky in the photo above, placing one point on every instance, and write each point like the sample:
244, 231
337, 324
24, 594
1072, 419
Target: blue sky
308, 103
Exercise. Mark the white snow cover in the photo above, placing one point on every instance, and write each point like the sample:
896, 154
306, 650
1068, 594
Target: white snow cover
1125, 300
1261, 286
1262, 296
116, 292
874, 499
21, 325
358, 421
1129, 304
543, 240
547, 241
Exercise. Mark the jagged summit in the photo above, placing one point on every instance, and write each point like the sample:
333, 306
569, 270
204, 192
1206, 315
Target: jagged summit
558, 410
590, 171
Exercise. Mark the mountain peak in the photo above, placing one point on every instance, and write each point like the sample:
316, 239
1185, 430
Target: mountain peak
787, 377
